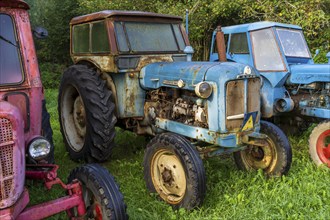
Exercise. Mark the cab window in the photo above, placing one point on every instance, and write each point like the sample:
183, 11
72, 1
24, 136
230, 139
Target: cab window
90, 38
238, 44
11, 71
266, 53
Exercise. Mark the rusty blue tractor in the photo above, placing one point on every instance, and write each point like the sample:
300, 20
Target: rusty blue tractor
295, 90
134, 70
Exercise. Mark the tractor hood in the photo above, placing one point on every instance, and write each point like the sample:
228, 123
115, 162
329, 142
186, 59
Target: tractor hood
309, 73
187, 74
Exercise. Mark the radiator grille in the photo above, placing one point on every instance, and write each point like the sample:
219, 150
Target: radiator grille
235, 98
6, 133
6, 158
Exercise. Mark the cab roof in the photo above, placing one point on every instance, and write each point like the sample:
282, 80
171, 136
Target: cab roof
256, 26
14, 4
114, 13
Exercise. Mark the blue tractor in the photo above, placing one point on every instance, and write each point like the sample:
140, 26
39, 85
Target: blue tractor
134, 70
295, 90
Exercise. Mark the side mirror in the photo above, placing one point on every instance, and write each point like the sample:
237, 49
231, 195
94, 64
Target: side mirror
40, 32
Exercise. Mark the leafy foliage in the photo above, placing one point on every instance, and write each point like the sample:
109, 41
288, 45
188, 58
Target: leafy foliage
55, 16
51, 74
204, 16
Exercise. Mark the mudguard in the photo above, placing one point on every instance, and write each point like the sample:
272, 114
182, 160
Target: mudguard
306, 74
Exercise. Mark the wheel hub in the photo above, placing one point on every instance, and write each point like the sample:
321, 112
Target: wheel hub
167, 176
260, 157
79, 116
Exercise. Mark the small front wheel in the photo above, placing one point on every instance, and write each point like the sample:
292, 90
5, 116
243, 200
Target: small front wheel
274, 158
319, 144
101, 194
174, 170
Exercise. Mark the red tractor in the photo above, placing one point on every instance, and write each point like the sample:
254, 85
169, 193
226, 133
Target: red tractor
26, 145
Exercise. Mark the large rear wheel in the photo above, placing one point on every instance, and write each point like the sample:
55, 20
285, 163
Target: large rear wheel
86, 114
174, 170
101, 194
319, 144
274, 158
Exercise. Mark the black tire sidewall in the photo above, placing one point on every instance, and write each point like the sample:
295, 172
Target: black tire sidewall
67, 81
47, 132
94, 147
95, 177
282, 149
194, 195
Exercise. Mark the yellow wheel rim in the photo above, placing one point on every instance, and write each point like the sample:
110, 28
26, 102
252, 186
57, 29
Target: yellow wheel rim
168, 176
261, 157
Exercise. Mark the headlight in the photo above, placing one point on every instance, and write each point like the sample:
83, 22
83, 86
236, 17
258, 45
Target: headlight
247, 70
203, 90
39, 148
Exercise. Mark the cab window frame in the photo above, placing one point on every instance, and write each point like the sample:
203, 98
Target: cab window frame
18, 51
90, 49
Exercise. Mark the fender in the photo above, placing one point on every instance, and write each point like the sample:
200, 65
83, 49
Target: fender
306, 74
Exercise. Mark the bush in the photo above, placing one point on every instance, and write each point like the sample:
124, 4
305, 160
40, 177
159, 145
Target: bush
51, 74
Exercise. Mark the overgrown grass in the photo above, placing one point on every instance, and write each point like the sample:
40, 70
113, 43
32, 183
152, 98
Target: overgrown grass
231, 194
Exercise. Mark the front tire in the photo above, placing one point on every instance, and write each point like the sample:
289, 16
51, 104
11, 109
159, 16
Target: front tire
174, 170
274, 159
86, 114
101, 194
319, 144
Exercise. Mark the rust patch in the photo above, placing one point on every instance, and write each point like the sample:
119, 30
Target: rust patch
147, 59
104, 63
234, 103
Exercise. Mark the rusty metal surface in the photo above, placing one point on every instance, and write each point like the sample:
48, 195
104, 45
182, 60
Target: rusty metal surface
17, 208
12, 154
32, 85
14, 4
105, 63
234, 104
253, 99
112, 13
221, 47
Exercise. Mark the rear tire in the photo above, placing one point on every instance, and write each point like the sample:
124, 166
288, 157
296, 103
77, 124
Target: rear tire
86, 114
319, 144
174, 170
101, 194
274, 159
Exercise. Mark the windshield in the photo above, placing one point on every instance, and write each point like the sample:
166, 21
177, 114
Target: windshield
10, 64
267, 56
148, 37
293, 43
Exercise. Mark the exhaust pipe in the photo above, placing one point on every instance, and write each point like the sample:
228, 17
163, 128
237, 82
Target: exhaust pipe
221, 47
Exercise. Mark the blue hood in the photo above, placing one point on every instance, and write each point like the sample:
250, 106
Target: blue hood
309, 73
156, 75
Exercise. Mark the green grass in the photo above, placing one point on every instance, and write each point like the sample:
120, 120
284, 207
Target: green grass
231, 194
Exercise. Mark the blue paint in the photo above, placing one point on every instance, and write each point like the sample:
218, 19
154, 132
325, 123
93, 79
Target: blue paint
315, 112
130, 96
298, 71
205, 135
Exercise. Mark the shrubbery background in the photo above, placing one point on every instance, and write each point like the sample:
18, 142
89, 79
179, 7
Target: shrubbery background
204, 15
